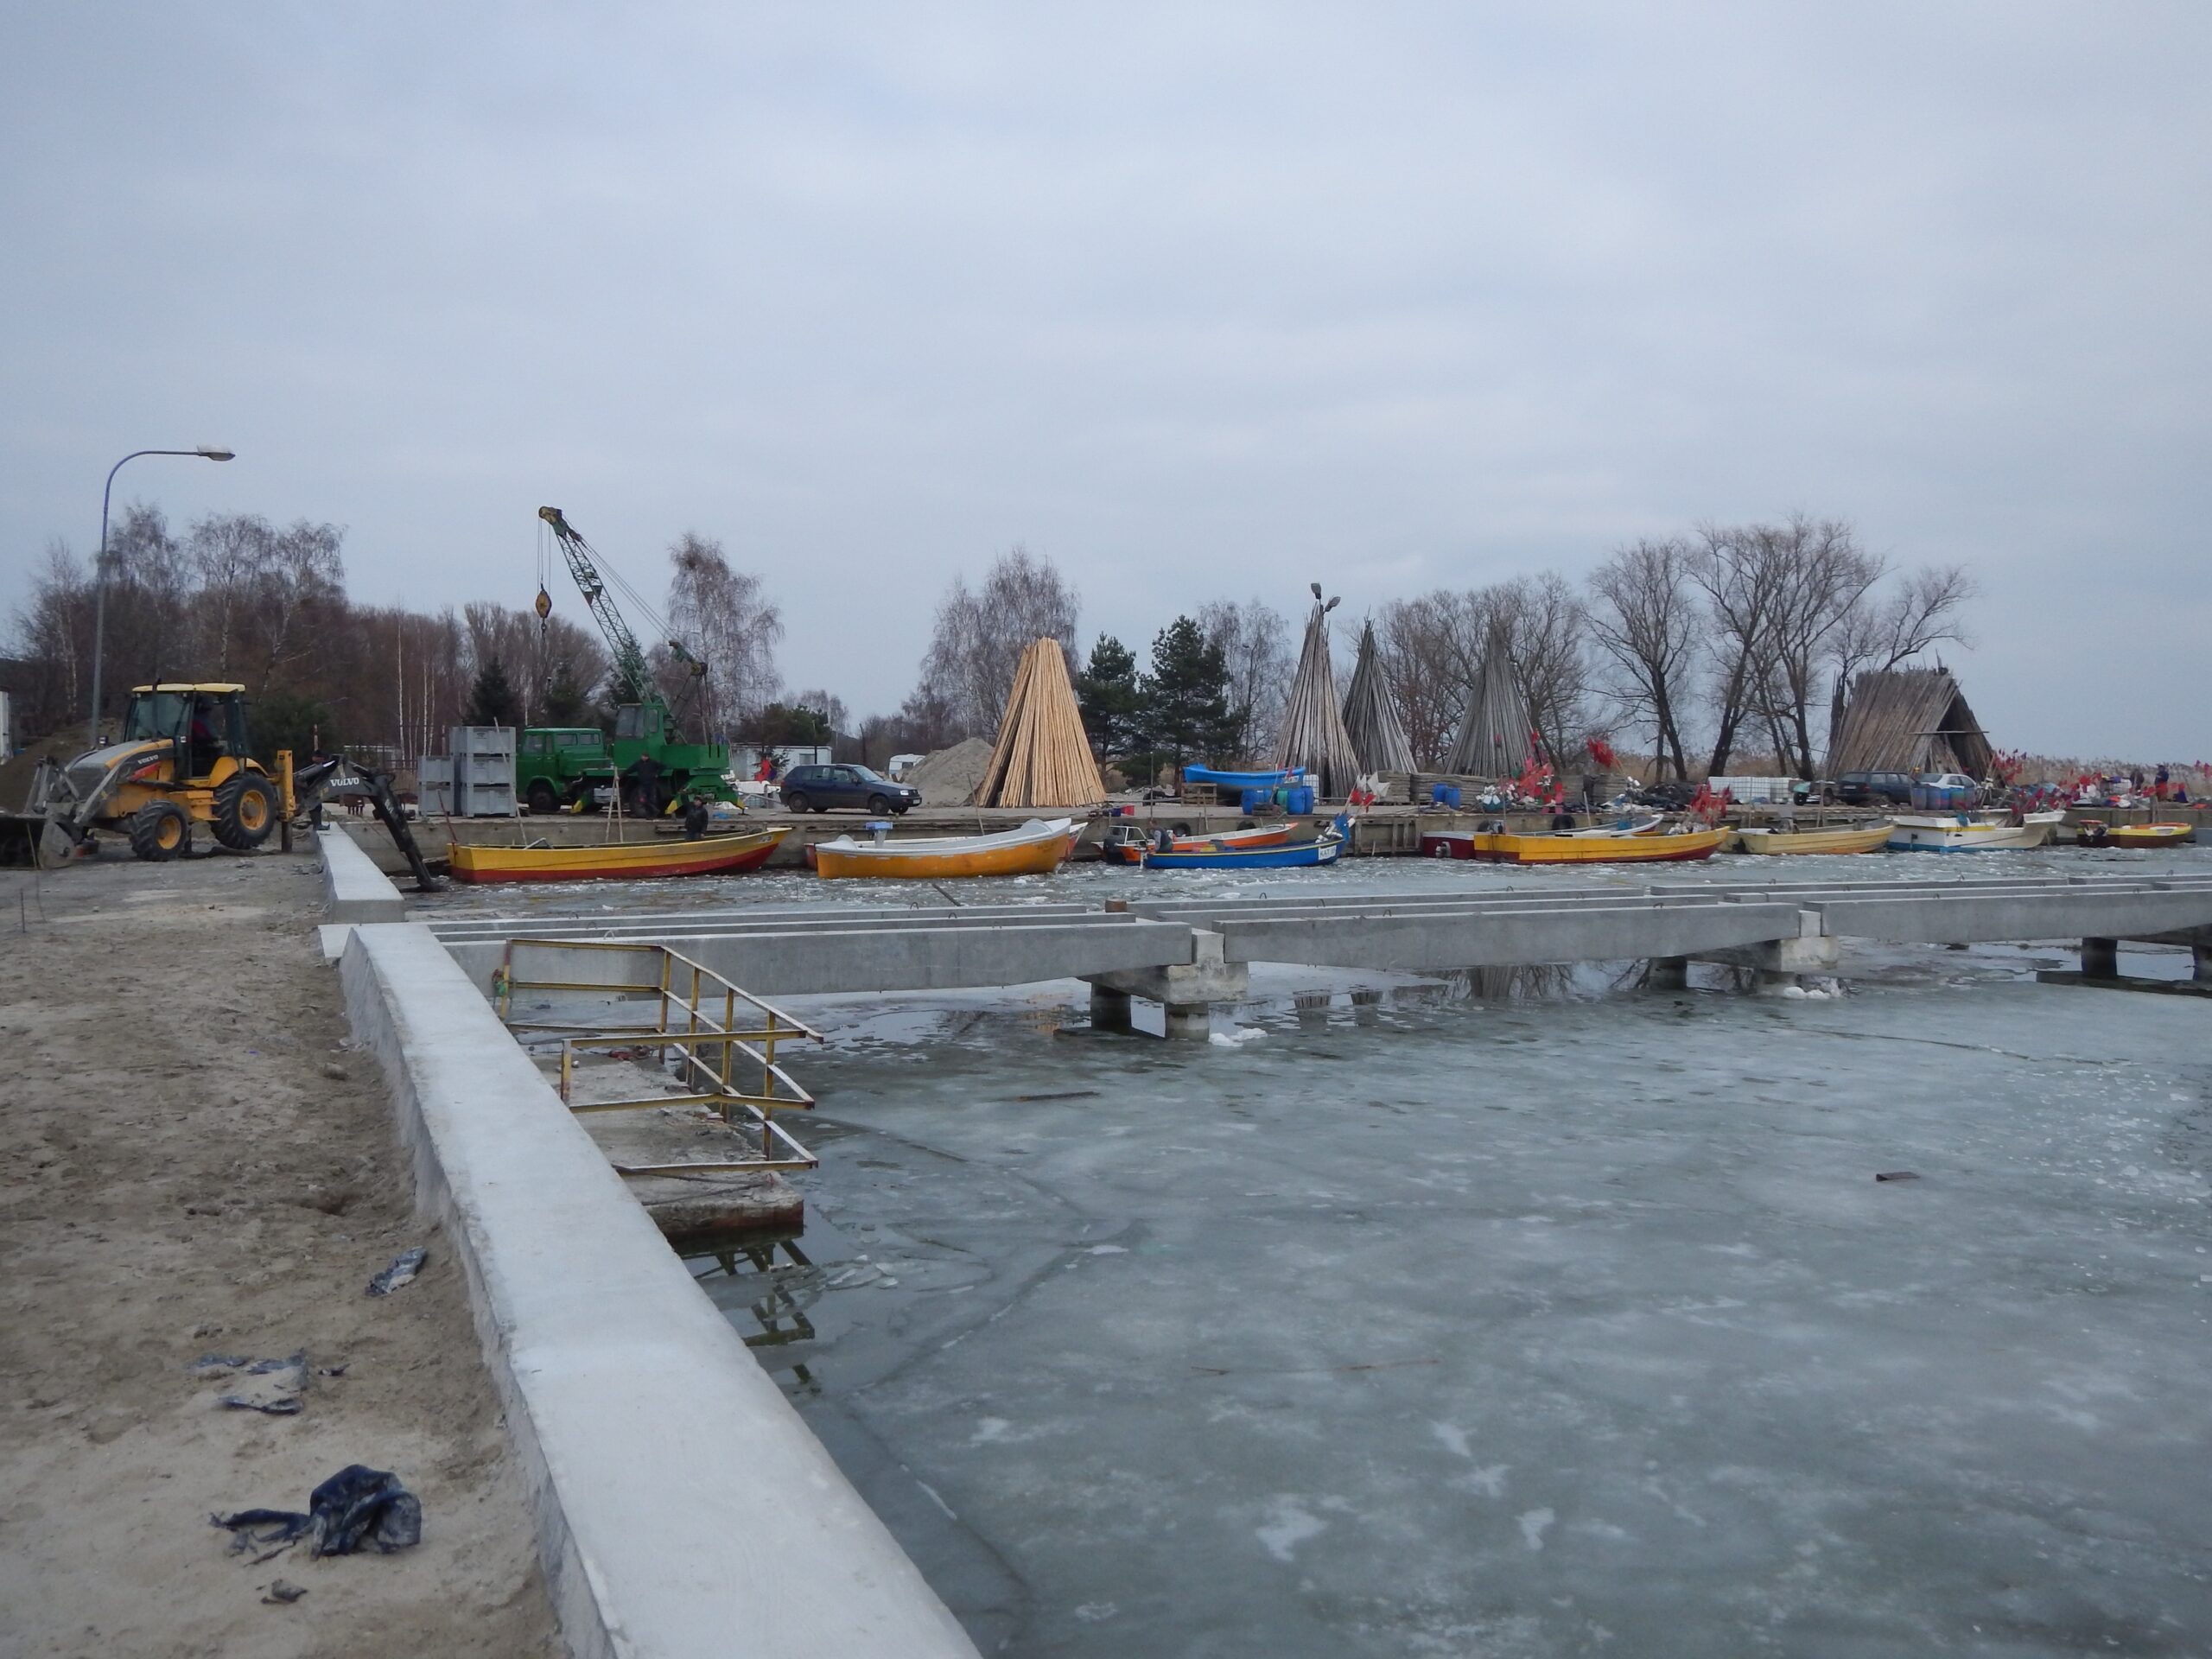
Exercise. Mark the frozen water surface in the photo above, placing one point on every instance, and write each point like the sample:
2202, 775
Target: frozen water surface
1524, 1314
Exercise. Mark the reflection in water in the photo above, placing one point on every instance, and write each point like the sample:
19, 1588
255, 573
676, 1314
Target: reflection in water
779, 1292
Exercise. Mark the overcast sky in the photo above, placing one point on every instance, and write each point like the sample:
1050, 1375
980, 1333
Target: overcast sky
1199, 301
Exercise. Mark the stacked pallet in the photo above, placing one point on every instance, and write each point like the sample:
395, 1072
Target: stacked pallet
1314, 734
1042, 757
1378, 736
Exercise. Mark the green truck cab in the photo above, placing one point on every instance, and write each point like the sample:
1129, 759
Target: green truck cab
556, 764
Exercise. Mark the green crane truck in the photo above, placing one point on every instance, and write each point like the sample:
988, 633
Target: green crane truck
646, 751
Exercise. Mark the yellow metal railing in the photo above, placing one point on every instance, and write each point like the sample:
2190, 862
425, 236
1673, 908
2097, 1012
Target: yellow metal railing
686, 997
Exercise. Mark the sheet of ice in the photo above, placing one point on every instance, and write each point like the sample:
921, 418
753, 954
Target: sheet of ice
1443, 1322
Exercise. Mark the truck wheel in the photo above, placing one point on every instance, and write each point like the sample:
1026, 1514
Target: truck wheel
160, 831
796, 801
246, 811
542, 801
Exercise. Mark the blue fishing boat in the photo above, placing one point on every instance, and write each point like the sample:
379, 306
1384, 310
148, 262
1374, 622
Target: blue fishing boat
1242, 780
1326, 849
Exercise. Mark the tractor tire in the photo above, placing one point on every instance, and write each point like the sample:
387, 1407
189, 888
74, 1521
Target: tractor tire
246, 811
160, 831
795, 801
543, 803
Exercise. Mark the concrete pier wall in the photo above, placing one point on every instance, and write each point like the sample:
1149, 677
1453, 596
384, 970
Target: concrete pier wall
683, 1508
353, 888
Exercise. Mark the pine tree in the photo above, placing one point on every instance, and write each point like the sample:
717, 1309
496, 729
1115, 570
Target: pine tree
1110, 698
565, 701
1187, 694
492, 699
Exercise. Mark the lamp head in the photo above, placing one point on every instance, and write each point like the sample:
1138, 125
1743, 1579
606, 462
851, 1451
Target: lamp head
213, 454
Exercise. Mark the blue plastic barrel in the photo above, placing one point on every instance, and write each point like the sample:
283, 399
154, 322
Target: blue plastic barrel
1301, 798
1255, 798
1446, 795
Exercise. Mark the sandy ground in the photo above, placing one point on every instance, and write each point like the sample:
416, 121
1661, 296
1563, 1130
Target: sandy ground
191, 1162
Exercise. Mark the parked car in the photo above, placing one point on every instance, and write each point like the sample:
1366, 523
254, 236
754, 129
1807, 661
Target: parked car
1874, 788
1950, 781
816, 789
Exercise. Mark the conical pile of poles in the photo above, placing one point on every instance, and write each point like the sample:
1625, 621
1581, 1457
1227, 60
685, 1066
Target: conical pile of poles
1495, 739
1378, 736
1314, 734
1042, 757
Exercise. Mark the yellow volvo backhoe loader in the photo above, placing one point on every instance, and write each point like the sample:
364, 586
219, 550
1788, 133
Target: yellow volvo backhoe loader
183, 761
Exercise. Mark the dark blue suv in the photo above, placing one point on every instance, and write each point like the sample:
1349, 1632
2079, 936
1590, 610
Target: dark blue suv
816, 789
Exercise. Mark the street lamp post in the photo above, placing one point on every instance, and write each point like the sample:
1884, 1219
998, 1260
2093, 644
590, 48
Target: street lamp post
99, 571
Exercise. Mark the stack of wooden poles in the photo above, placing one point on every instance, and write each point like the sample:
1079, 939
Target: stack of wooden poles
1042, 757
1378, 736
1314, 734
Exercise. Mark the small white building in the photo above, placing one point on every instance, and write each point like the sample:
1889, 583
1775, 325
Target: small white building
745, 758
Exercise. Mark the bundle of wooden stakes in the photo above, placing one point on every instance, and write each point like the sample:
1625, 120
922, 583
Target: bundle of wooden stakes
1042, 758
1314, 734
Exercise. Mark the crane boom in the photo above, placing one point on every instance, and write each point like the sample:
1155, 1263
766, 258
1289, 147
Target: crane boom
633, 681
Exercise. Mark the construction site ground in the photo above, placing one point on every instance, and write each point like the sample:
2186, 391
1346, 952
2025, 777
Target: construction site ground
194, 1162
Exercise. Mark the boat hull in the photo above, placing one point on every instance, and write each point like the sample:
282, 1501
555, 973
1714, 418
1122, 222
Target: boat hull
1303, 856
1037, 856
1134, 852
625, 861
1949, 836
2149, 835
1871, 839
1576, 848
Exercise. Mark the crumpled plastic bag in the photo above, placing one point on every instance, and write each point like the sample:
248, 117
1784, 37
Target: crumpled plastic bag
271, 1385
355, 1507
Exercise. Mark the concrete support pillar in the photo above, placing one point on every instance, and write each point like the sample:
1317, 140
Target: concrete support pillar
1110, 1010
1669, 974
1190, 1022
2204, 954
2101, 958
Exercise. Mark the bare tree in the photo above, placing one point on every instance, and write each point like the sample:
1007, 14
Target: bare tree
1922, 611
1255, 645
722, 619
1431, 648
1743, 572
1823, 577
978, 638
1546, 633
1645, 624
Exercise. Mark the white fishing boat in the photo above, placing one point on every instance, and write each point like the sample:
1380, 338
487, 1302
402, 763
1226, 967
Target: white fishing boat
1039, 847
1960, 833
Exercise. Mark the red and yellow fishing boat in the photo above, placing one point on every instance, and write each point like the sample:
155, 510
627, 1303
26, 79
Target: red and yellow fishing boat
1633, 846
616, 860
1135, 846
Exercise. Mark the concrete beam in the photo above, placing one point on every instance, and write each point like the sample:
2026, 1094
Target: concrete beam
683, 1508
353, 888
1483, 938
1968, 918
2099, 958
830, 961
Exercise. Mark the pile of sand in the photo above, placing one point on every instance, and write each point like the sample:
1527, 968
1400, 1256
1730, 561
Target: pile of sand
948, 777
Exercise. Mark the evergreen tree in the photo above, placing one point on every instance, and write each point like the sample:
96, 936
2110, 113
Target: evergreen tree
492, 699
566, 704
1187, 694
1111, 698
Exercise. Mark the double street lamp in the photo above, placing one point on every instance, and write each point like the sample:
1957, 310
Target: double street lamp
99, 571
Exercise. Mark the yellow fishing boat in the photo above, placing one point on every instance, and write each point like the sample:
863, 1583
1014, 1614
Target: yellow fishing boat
1635, 846
2092, 833
1039, 847
616, 860
1861, 838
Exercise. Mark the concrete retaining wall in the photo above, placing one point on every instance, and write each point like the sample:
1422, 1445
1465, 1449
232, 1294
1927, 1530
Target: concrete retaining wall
353, 888
683, 1507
